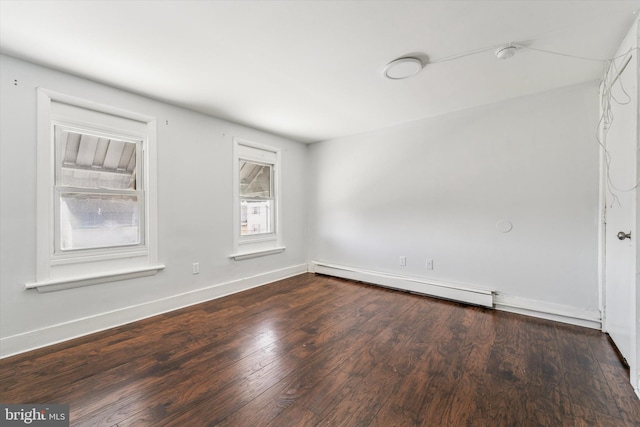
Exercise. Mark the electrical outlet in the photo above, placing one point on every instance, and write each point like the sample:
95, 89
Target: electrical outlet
403, 261
429, 264
195, 268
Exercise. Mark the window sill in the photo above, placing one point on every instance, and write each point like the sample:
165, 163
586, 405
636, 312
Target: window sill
256, 253
93, 279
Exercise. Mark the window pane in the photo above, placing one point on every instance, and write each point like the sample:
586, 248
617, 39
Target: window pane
98, 220
90, 161
255, 179
255, 217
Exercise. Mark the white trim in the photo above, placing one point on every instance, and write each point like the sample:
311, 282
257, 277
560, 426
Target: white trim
256, 145
258, 238
57, 270
44, 183
257, 253
257, 244
53, 334
90, 105
602, 226
467, 294
93, 279
450, 291
545, 310
117, 252
79, 327
311, 267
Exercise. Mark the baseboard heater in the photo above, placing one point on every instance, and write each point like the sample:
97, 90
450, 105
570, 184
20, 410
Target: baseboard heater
454, 292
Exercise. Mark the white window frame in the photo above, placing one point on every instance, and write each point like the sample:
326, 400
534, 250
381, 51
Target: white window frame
55, 269
61, 126
251, 246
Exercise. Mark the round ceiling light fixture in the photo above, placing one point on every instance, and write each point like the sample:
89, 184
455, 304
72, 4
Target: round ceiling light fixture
506, 52
402, 68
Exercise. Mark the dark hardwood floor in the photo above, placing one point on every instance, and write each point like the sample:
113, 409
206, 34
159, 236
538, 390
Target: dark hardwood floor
314, 350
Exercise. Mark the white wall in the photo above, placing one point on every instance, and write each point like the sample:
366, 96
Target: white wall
436, 188
195, 215
428, 189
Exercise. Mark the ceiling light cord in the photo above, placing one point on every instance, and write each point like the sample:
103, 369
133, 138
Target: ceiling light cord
464, 54
520, 47
566, 55
611, 76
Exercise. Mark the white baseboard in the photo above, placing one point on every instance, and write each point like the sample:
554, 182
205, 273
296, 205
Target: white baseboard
469, 295
32, 340
545, 310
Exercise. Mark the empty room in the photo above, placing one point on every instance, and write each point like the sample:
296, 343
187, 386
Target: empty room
301, 213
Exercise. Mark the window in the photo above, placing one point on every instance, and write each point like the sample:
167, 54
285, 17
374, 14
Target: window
256, 208
99, 193
96, 194
256, 198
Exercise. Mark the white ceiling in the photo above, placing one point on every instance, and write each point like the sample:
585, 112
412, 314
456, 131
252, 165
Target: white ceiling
312, 70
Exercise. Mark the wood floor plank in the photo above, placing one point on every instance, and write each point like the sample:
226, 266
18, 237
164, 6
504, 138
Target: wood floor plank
544, 374
361, 399
623, 394
295, 415
456, 399
336, 343
592, 390
246, 378
314, 350
299, 380
355, 369
422, 371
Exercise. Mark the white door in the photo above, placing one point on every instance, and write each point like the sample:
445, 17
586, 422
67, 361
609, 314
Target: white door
620, 272
621, 298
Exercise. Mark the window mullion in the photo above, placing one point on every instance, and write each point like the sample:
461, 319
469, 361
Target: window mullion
86, 190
